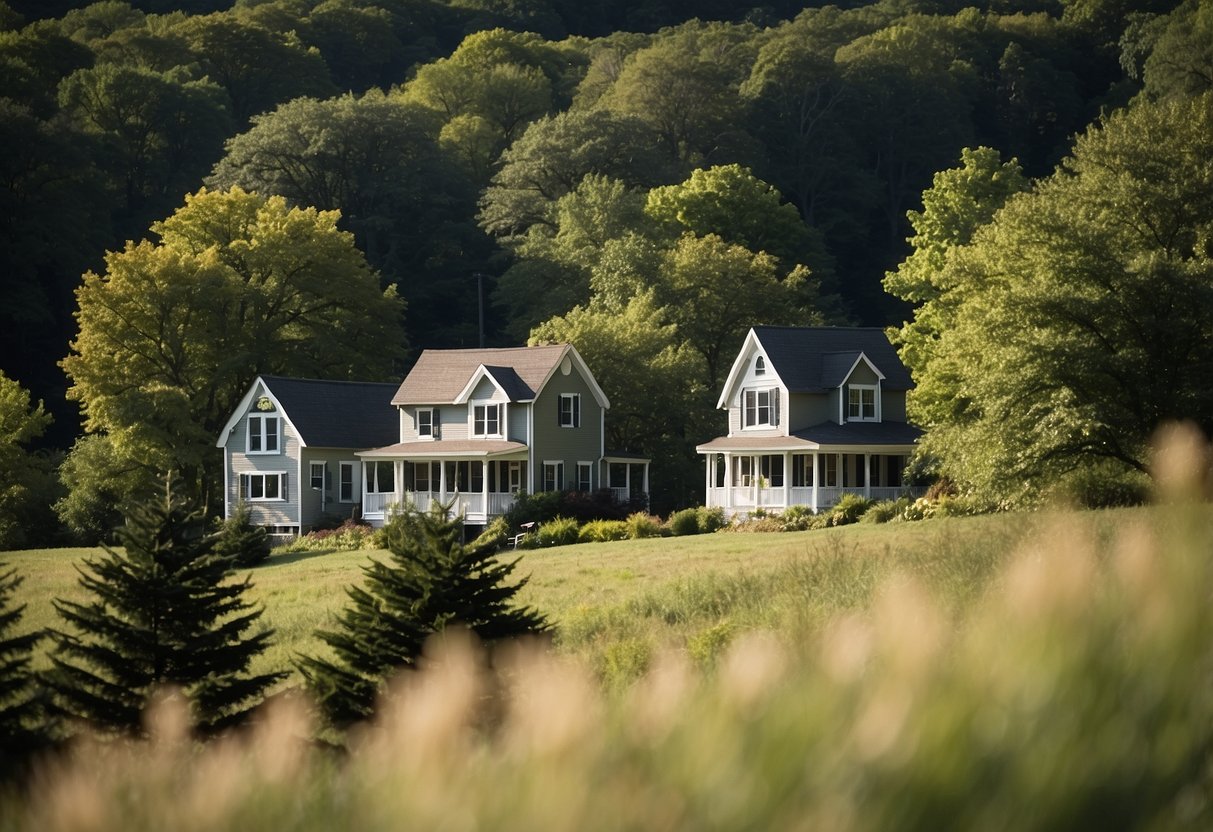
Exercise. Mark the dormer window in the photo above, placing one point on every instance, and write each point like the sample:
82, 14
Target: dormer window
861, 403
486, 420
263, 434
760, 366
760, 408
570, 410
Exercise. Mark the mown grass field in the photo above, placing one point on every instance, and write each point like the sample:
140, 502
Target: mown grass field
621, 603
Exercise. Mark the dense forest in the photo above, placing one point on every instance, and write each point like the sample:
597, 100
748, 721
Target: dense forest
195, 192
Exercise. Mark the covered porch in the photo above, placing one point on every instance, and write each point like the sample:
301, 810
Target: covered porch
627, 476
478, 479
775, 473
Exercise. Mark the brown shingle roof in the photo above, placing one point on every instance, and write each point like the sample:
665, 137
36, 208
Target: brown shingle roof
440, 375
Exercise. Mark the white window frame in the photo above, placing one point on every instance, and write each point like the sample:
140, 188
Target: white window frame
262, 435
312, 467
514, 476
771, 407
556, 466
429, 433
485, 433
572, 417
586, 468
264, 477
372, 467
875, 403
760, 366
342, 467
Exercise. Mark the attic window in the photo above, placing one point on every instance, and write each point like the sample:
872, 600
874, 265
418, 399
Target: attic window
760, 366
861, 403
262, 435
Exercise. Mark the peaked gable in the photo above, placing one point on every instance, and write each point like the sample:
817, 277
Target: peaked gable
443, 376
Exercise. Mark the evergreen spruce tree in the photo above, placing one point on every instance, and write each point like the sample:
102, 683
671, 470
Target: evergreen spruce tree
21, 732
246, 544
163, 614
431, 581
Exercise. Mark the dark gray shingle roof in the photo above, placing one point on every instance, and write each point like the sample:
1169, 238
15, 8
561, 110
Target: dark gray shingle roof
813, 358
338, 414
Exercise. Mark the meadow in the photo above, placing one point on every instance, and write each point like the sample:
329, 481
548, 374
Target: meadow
1019, 671
620, 603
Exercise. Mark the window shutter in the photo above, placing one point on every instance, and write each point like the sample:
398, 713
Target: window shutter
242, 487
576, 411
435, 422
775, 407
285, 493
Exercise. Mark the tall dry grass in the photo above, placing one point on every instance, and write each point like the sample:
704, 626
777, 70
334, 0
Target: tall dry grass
1077, 693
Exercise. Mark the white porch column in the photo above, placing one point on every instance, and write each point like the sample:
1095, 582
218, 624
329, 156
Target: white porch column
627, 478
787, 478
815, 478
867, 475
645, 482
839, 473
707, 479
398, 482
728, 480
484, 486
442, 480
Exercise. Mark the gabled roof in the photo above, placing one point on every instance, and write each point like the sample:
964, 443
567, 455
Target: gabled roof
329, 414
441, 376
812, 359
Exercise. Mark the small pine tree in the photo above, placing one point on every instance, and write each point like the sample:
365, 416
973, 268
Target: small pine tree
431, 581
21, 733
247, 545
162, 614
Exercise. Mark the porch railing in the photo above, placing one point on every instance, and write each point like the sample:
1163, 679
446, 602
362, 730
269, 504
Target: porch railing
745, 498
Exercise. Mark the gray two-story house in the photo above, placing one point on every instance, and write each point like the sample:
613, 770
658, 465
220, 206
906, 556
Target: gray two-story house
477, 426
813, 413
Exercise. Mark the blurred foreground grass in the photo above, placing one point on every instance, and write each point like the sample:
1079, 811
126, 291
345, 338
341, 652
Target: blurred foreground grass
1072, 689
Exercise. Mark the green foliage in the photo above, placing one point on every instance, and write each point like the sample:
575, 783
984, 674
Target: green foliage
708, 646
25, 476
495, 534
1086, 321
430, 582
683, 522
100, 482
710, 519
641, 525
1104, 486
350, 535
238, 539
886, 511
174, 332
560, 531
163, 611
797, 519
848, 510
603, 531
21, 732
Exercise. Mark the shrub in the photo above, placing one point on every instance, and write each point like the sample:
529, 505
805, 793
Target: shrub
710, 519
349, 536
603, 531
796, 519
848, 510
246, 544
533, 508
1104, 485
885, 511
642, 525
759, 521
559, 532
494, 534
684, 522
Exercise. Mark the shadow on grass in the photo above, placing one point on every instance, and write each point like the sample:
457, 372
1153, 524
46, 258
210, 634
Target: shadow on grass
295, 557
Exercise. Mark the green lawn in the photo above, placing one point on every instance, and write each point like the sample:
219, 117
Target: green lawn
620, 602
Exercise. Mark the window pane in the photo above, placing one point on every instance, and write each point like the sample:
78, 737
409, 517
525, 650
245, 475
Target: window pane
256, 487
254, 434
271, 486
425, 423
347, 482
318, 475
271, 433
492, 420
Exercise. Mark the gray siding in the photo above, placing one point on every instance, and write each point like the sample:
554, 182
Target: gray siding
313, 504
808, 409
570, 445
271, 512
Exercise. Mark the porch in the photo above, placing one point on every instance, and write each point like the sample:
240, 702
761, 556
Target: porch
740, 482
477, 490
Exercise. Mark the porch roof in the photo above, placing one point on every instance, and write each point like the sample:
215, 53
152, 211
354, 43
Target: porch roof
824, 436
438, 449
